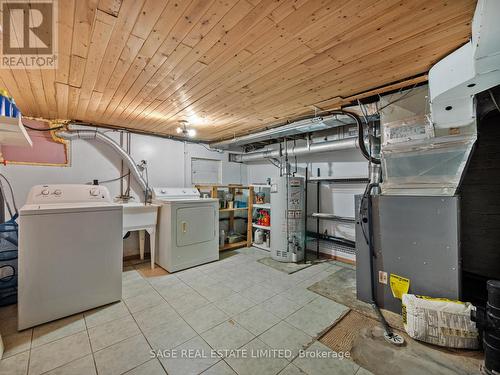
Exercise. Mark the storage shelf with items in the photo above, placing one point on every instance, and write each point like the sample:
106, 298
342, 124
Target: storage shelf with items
235, 214
261, 216
317, 236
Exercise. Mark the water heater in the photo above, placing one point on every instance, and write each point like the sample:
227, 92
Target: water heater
288, 219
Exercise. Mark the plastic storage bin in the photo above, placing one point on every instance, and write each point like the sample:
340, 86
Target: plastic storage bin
8, 262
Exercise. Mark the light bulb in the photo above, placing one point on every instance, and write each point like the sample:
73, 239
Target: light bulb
178, 130
191, 132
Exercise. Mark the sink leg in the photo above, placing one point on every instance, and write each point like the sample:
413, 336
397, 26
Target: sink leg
152, 246
142, 236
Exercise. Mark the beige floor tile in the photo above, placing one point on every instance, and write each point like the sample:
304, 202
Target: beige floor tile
152, 367
17, 342
193, 357
123, 356
155, 316
57, 329
112, 332
205, 318
173, 291
202, 280
331, 308
301, 296
135, 287
130, 273
189, 274
256, 319
214, 292
315, 317
285, 336
291, 369
234, 304
363, 371
280, 306
82, 366
257, 293
314, 362
226, 336
220, 368
105, 314
188, 302
163, 281
57, 353
169, 335
15, 365
310, 321
252, 363
241, 285
143, 301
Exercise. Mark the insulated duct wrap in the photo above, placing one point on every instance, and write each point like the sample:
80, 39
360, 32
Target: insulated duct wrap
93, 134
313, 148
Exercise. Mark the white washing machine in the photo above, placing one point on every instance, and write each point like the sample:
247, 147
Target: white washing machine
70, 252
188, 228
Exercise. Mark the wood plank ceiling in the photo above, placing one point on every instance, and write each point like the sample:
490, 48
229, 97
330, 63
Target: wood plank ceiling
230, 67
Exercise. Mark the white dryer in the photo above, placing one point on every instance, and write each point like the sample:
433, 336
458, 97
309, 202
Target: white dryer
70, 252
188, 228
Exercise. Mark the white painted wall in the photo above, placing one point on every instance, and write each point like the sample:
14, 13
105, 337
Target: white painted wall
169, 164
337, 199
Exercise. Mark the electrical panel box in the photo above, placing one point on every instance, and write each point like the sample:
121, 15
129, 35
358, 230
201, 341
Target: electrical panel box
288, 219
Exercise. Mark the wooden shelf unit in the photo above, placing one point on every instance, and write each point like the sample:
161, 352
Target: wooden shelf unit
264, 206
232, 189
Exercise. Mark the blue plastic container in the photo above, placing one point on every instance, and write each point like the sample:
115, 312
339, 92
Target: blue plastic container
7, 105
8, 262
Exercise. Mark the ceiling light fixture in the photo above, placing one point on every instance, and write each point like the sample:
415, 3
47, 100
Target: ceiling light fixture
183, 129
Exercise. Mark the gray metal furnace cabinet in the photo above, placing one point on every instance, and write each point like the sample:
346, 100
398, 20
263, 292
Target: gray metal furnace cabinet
417, 237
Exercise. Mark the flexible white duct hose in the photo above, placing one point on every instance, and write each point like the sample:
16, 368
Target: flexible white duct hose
93, 134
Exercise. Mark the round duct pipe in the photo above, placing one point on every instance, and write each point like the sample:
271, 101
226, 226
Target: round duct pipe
313, 148
93, 134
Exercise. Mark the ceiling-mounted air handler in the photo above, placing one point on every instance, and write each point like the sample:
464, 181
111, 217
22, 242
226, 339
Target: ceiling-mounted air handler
417, 162
472, 68
427, 154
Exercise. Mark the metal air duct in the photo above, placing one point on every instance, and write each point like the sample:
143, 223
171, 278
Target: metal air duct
342, 144
304, 126
94, 134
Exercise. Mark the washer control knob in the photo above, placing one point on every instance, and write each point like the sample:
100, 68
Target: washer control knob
57, 192
45, 192
94, 192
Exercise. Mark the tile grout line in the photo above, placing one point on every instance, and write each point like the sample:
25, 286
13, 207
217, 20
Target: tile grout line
230, 317
180, 315
199, 334
140, 330
90, 343
29, 354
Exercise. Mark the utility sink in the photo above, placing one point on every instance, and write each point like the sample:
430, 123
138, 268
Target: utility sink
137, 216
143, 218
